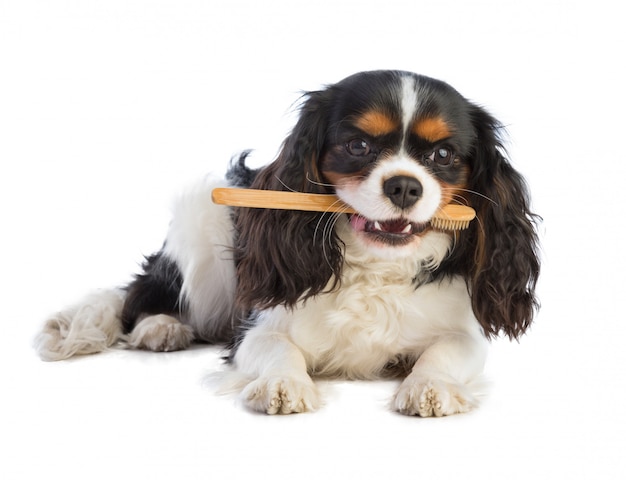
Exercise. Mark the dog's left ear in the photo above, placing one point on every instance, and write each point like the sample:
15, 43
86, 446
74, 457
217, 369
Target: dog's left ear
297, 166
502, 266
285, 256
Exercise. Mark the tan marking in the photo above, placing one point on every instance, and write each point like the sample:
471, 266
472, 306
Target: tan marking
455, 192
376, 123
343, 179
432, 129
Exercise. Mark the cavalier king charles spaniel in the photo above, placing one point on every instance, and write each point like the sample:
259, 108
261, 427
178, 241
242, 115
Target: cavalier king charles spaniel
297, 295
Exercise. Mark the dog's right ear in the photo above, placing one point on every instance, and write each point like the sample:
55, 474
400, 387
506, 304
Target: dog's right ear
284, 256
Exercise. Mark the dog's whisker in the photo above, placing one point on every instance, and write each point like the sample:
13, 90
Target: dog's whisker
473, 192
329, 226
297, 293
321, 184
284, 184
458, 199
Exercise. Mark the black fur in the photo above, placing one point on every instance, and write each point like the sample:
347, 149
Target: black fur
285, 256
276, 249
239, 174
498, 255
156, 290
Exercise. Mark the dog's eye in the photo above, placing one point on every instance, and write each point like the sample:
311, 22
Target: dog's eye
441, 156
358, 147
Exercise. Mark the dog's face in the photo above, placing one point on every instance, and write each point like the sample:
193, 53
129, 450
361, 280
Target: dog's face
396, 151
396, 147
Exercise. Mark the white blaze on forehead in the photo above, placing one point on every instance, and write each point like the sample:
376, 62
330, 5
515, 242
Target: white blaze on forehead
408, 101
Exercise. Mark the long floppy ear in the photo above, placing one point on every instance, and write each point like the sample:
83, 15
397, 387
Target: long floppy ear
285, 256
499, 253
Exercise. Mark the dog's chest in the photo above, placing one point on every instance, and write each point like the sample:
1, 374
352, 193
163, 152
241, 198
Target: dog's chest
359, 329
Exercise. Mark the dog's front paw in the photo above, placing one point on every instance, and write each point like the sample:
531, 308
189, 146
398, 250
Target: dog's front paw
429, 397
274, 395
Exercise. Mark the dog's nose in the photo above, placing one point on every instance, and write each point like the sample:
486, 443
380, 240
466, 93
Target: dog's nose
403, 191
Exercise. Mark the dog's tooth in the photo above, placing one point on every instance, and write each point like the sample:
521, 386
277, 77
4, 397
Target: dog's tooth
377, 226
407, 229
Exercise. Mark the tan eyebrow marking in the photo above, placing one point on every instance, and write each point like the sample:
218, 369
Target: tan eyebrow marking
432, 129
376, 123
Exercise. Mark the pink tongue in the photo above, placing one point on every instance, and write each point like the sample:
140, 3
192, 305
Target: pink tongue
358, 222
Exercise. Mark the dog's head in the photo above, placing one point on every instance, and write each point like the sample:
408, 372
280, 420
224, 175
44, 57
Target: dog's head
396, 147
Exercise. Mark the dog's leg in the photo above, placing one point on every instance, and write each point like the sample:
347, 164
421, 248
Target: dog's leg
281, 383
90, 326
438, 383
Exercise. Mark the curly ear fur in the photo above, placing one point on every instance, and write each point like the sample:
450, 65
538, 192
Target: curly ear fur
498, 254
284, 256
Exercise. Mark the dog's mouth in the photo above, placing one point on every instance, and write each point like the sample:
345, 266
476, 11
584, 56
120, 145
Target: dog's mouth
396, 232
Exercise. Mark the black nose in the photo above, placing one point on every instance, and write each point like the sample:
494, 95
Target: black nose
403, 191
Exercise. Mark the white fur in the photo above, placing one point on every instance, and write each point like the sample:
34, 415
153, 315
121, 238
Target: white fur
367, 197
90, 326
376, 316
408, 101
161, 333
200, 241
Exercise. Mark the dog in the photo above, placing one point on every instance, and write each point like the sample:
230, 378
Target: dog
296, 295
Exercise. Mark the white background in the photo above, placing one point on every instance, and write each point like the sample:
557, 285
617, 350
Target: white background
107, 109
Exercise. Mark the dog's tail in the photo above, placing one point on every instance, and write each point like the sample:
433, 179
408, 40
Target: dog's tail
92, 325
